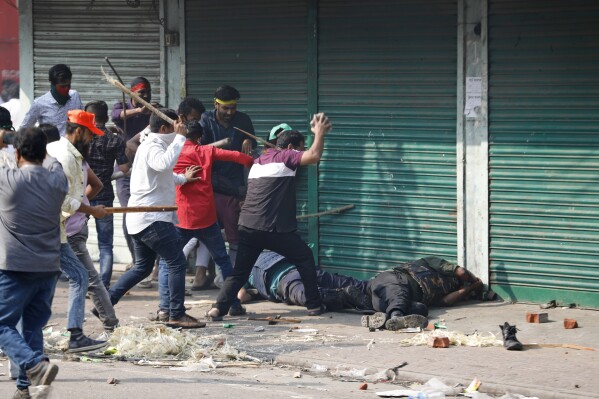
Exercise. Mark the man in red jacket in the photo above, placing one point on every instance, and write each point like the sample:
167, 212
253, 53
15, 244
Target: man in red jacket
196, 208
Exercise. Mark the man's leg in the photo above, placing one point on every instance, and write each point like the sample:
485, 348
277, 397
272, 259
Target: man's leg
144, 262
292, 247
123, 193
390, 294
227, 212
249, 250
213, 240
16, 295
78, 283
96, 288
35, 317
105, 231
166, 242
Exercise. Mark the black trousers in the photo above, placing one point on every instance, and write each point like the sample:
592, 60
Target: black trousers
391, 292
251, 244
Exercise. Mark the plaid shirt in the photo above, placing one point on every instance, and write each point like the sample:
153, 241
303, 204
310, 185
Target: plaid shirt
103, 152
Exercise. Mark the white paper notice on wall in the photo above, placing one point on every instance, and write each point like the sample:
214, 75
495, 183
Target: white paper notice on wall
474, 96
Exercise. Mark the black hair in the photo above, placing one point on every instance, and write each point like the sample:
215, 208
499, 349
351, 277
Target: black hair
59, 73
31, 144
5, 120
194, 130
157, 122
188, 104
292, 137
50, 131
99, 108
70, 127
227, 93
140, 79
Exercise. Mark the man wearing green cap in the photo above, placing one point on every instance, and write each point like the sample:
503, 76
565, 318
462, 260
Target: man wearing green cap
275, 131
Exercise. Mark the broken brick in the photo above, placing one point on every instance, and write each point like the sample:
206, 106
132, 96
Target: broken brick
440, 342
570, 324
363, 387
537, 317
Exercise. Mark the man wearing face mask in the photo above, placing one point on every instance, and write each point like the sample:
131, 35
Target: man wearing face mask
138, 118
70, 151
53, 106
153, 233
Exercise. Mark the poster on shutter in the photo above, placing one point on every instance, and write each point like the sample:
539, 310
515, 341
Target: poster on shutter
474, 95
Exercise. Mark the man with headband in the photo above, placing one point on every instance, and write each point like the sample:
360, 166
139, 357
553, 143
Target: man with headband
53, 106
228, 179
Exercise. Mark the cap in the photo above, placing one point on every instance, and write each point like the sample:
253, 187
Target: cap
278, 129
85, 119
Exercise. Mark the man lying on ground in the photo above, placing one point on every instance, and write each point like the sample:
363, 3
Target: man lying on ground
401, 296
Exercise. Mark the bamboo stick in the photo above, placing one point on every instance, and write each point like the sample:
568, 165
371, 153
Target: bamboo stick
329, 212
130, 209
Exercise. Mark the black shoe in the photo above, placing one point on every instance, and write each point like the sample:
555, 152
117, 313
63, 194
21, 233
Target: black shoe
410, 321
318, 311
84, 344
510, 342
418, 308
355, 298
42, 373
237, 310
332, 299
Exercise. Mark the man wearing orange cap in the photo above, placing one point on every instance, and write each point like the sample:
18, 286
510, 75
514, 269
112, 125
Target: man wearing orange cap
70, 152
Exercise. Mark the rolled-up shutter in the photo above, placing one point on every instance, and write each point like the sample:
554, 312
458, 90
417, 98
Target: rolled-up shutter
387, 79
80, 33
544, 150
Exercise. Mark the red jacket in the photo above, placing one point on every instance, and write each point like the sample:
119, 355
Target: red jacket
196, 199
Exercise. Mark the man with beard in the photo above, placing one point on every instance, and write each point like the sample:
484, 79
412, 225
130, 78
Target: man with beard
138, 118
53, 106
228, 179
70, 151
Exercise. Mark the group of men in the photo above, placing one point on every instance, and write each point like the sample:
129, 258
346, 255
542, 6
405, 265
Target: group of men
63, 175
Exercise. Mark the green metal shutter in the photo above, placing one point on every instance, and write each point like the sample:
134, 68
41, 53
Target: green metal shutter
80, 35
387, 79
260, 48
544, 150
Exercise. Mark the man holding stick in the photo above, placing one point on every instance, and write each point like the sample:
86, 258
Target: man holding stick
267, 219
228, 178
69, 151
153, 233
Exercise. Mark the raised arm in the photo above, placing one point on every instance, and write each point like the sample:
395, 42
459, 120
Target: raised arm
320, 127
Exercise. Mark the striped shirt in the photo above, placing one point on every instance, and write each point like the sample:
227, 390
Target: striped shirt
270, 201
45, 109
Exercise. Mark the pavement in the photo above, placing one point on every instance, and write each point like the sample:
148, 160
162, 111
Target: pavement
336, 344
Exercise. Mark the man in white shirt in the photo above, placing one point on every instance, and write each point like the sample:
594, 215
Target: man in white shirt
54, 106
153, 233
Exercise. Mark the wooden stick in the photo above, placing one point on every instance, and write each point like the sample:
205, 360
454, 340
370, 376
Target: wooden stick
136, 97
567, 346
129, 209
329, 212
266, 143
221, 143
272, 320
124, 99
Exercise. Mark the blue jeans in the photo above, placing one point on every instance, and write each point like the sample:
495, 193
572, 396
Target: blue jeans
105, 231
78, 283
212, 238
159, 238
22, 295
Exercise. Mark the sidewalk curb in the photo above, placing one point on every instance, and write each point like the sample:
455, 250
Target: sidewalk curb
491, 388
